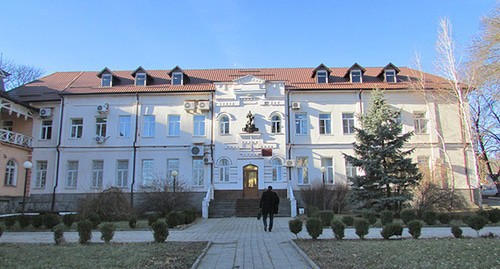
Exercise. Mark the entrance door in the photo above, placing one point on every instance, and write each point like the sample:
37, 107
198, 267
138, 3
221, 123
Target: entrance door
251, 182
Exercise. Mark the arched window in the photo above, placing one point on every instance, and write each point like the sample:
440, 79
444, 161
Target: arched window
224, 125
223, 170
276, 124
10, 173
277, 169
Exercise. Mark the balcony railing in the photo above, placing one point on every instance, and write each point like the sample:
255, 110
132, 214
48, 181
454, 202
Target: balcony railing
15, 138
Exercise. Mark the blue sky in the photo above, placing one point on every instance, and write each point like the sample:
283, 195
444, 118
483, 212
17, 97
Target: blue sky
122, 35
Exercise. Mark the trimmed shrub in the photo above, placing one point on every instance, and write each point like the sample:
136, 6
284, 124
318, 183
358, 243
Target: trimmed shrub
190, 215
173, 219
37, 221
23, 220
50, 220
370, 216
444, 218
391, 229
477, 223
312, 211
295, 226
407, 215
494, 215
132, 222
59, 235
314, 227
107, 232
68, 219
338, 229
429, 217
111, 205
484, 213
9, 222
152, 218
326, 217
160, 231
386, 217
456, 231
348, 220
95, 219
415, 228
362, 227
84, 228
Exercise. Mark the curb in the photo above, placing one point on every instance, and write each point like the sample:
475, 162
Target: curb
304, 255
203, 253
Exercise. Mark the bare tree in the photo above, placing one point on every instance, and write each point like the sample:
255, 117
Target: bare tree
19, 74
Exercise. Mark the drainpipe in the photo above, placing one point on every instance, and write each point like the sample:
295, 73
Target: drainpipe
212, 114
360, 97
288, 138
135, 148
58, 155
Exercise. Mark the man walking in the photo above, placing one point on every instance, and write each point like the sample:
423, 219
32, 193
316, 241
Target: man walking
269, 206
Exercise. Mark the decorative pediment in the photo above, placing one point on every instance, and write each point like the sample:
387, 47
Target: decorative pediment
249, 80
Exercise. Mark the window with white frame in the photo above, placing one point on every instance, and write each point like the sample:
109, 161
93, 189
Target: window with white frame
199, 125
10, 173
356, 76
303, 170
223, 170
420, 122
71, 174
348, 123
174, 125
122, 173
224, 125
322, 76
275, 124
147, 172
41, 174
177, 78
76, 128
8, 125
124, 127
325, 123
329, 176
390, 76
301, 123
140, 79
149, 126
350, 170
107, 80
172, 165
198, 172
101, 126
277, 168
46, 130
97, 173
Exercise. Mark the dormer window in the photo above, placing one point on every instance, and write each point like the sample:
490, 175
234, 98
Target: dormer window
322, 77
177, 78
356, 76
107, 80
390, 76
140, 79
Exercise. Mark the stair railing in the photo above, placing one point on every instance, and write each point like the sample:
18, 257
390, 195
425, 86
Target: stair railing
206, 202
293, 202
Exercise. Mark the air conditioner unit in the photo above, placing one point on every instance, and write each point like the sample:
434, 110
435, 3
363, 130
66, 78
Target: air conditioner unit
295, 105
100, 139
189, 105
103, 108
45, 112
290, 163
197, 151
203, 105
208, 159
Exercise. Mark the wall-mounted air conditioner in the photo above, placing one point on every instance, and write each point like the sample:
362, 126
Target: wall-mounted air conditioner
295, 105
197, 151
203, 105
290, 163
189, 105
207, 159
45, 112
102, 109
100, 139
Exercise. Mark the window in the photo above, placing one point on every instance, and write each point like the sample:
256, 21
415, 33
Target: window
97, 173
322, 77
41, 174
301, 123
224, 170
329, 175
199, 125
348, 123
224, 125
100, 126
140, 79
10, 173
420, 122
147, 172
71, 174
390, 76
46, 130
302, 170
277, 167
198, 175
356, 76
124, 126
177, 78
172, 165
8, 125
76, 128
122, 173
106, 80
275, 124
350, 170
325, 124
174, 125
149, 126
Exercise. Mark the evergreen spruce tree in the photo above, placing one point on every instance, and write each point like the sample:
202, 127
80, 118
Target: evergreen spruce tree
389, 172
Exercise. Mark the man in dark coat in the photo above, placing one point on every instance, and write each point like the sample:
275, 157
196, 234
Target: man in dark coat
269, 206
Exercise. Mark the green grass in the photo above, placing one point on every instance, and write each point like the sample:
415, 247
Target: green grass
132, 255
407, 253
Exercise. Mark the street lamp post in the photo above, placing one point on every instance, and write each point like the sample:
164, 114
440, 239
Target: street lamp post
27, 166
323, 171
174, 176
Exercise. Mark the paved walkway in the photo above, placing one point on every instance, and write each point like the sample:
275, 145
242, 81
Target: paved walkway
237, 242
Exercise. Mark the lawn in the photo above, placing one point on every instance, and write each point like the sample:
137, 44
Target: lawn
406, 253
115, 255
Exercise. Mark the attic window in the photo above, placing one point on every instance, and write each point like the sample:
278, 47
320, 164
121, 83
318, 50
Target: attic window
140, 79
177, 78
356, 76
390, 76
322, 77
106, 80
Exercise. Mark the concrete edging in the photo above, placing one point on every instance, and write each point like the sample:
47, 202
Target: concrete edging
203, 253
304, 255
